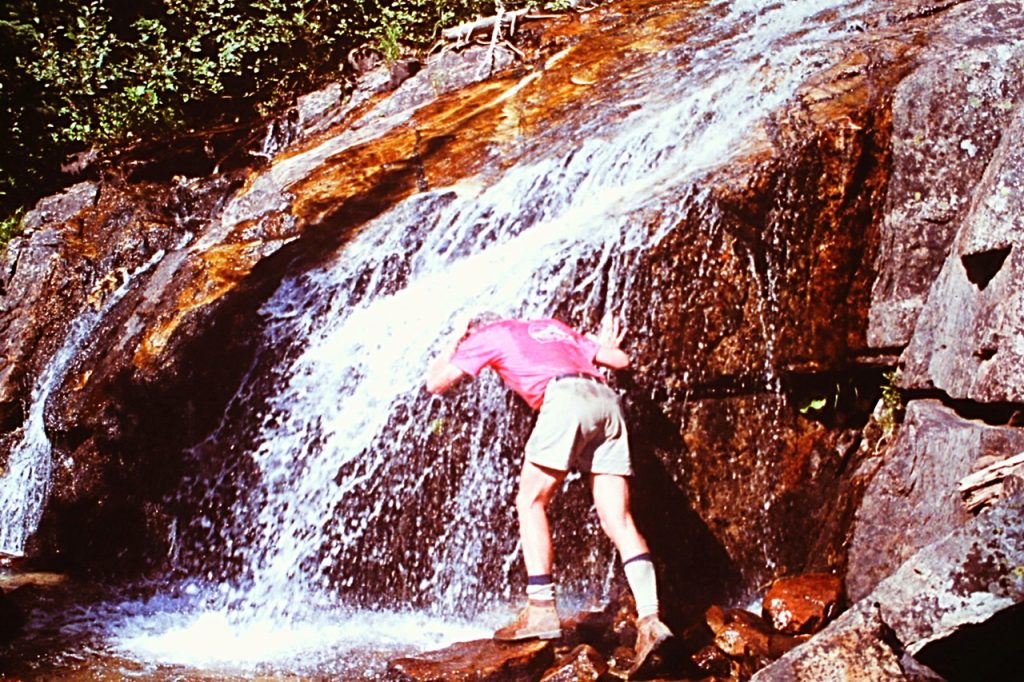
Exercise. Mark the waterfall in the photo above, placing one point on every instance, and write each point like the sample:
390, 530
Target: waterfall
361, 488
26, 482
340, 437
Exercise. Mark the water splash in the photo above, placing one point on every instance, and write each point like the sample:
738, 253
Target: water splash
172, 631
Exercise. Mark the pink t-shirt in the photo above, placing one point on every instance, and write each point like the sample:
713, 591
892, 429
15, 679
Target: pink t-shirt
527, 354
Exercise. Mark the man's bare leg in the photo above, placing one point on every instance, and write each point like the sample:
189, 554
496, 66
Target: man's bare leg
611, 497
537, 485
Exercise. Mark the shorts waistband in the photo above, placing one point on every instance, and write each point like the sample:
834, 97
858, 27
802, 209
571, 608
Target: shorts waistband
578, 375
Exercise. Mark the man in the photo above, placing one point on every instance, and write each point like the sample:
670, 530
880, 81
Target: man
555, 370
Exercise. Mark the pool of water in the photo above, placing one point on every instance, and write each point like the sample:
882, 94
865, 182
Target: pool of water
184, 632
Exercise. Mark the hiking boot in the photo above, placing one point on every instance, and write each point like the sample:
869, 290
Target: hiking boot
651, 633
538, 620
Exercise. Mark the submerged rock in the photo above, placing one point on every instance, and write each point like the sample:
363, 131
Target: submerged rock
477, 661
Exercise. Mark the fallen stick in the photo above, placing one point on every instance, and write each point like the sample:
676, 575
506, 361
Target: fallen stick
495, 34
985, 485
464, 31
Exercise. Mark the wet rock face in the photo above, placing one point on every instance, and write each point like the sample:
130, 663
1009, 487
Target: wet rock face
901, 153
743, 485
31, 269
163, 364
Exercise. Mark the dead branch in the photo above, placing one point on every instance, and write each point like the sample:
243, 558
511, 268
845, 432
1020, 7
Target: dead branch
982, 487
464, 31
495, 34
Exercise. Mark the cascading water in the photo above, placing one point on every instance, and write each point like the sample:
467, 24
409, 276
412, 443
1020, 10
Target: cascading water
362, 492
26, 482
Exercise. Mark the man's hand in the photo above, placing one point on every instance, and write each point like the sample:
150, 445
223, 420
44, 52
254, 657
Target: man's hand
612, 331
610, 337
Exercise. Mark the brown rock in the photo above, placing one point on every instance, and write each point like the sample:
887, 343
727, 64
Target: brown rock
582, 664
715, 618
780, 644
475, 661
722, 620
620, 661
713, 661
593, 628
803, 603
743, 635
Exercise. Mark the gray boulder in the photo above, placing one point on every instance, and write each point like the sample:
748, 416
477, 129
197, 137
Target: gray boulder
968, 340
948, 117
916, 484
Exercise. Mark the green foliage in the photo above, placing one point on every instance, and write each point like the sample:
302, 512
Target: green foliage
814, 405
83, 74
830, 399
892, 403
10, 227
153, 69
417, 24
77, 75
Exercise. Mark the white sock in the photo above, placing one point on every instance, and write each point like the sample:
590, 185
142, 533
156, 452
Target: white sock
643, 583
540, 588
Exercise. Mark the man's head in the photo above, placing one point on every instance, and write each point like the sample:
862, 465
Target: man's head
480, 320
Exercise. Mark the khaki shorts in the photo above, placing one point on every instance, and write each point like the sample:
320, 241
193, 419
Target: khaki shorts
580, 423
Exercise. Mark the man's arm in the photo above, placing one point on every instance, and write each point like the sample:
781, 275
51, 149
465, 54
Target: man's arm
442, 374
613, 357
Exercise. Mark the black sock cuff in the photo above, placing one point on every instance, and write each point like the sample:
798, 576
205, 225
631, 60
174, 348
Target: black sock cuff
646, 556
539, 579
